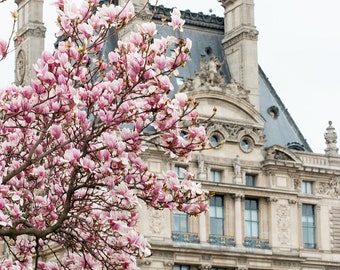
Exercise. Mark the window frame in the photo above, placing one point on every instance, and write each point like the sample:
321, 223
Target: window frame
307, 187
309, 226
217, 216
181, 267
213, 173
253, 180
180, 171
251, 219
179, 217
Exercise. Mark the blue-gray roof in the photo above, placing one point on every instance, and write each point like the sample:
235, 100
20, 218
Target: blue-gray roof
206, 33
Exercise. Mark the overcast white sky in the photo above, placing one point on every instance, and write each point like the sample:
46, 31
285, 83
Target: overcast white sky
299, 50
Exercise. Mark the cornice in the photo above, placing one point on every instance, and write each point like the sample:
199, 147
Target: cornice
249, 34
191, 18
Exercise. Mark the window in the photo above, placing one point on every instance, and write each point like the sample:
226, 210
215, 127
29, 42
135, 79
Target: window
215, 175
216, 215
246, 144
180, 171
252, 218
307, 187
180, 222
250, 180
308, 226
181, 267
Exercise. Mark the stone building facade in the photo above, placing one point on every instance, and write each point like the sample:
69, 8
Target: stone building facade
276, 204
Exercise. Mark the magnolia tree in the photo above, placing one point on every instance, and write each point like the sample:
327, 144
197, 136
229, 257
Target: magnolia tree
72, 180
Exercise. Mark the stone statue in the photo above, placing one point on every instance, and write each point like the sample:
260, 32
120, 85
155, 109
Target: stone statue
237, 167
202, 171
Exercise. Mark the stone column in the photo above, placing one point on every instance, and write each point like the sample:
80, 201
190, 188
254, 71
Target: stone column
203, 228
238, 220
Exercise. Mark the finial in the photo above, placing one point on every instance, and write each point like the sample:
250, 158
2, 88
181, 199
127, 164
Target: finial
331, 140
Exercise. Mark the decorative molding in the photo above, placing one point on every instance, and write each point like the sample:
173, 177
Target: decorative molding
238, 196
286, 264
249, 35
204, 266
156, 221
191, 18
283, 224
234, 132
168, 264
271, 199
210, 78
331, 188
38, 32
292, 201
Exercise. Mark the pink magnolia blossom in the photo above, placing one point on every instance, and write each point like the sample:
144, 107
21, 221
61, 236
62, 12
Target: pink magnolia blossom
176, 21
71, 143
3, 48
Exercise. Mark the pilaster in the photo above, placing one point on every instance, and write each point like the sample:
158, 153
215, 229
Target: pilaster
238, 219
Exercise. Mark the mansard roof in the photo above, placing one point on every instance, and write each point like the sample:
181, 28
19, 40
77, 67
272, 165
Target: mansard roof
206, 33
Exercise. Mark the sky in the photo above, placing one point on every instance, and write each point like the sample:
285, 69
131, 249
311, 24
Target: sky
298, 49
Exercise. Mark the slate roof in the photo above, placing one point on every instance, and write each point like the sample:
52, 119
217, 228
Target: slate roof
206, 33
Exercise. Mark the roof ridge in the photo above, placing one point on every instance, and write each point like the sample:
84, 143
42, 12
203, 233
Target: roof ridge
191, 18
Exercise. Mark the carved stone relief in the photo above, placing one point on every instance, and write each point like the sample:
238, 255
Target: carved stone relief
232, 132
283, 224
279, 155
331, 188
156, 221
210, 78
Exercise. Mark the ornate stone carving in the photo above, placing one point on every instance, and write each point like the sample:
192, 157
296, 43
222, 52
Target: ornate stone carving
331, 188
279, 155
210, 78
233, 132
283, 224
272, 199
168, 264
20, 68
156, 221
202, 174
331, 139
238, 196
297, 184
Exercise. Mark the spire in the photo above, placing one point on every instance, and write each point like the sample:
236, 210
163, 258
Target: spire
240, 45
331, 140
29, 42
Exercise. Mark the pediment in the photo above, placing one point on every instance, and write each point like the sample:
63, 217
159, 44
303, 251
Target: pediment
208, 86
277, 152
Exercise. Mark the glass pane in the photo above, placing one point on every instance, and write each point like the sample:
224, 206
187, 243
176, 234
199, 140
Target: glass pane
216, 226
180, 222
247, 215
219, 212
254, 230
308, 226
254, 216
248, 229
